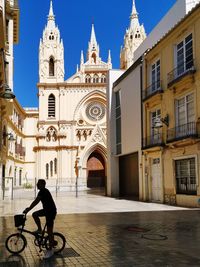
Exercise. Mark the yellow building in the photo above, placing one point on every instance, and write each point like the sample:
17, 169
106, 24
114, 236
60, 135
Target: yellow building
171, 115
9, 33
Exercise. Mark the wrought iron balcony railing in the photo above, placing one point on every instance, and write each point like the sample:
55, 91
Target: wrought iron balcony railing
183, 68
153, 140
154, 88
186, 185
187, 130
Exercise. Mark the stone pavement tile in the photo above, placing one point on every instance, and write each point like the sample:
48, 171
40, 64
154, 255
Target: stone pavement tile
160, 239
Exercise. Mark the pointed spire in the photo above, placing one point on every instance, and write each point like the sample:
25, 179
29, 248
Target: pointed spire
82, 57
51, 17
77, 68
134, 13
51, 14
134, 17
93, 36
109, 56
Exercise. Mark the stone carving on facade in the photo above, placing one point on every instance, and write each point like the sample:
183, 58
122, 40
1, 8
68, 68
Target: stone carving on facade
51, 134
97, 138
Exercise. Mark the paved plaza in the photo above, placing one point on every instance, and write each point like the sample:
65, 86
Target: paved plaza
102, 231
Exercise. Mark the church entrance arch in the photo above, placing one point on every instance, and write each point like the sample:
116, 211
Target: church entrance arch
96, 171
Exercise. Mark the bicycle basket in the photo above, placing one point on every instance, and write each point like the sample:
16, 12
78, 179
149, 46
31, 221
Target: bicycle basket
19, 220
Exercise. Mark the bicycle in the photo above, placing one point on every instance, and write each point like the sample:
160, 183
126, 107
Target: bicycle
16, 243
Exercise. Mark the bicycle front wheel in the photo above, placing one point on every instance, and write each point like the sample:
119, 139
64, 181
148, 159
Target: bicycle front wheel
59, 242
16, 243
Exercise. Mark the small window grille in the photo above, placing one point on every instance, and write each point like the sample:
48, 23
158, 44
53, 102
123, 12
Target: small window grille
51, 106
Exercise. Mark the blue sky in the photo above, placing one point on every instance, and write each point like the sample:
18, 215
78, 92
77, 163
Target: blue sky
74, 19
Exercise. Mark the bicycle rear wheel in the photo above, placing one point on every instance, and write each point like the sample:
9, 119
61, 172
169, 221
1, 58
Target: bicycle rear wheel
16, 243
59, 242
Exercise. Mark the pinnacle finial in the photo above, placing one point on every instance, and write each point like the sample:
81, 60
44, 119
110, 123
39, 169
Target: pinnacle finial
109, 56
93, 36
51, 14
134, 13
82, 57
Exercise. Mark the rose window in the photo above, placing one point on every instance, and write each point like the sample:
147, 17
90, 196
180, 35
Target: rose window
95, 111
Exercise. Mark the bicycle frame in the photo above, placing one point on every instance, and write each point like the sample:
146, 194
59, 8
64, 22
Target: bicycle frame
39, 237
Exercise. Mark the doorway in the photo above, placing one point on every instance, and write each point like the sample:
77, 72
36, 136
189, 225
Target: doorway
96, 171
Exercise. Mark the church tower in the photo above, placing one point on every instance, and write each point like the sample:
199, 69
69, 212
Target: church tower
51, 52
134, 36
93, 49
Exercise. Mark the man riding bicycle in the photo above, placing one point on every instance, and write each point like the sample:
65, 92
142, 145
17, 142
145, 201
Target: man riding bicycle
49, 211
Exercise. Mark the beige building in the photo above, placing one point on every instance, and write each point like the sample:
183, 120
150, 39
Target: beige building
9, 28
172, 116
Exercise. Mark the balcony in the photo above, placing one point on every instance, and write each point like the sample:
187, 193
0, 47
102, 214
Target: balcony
12, 8
153, 141
184, 68
188, 130
153, 89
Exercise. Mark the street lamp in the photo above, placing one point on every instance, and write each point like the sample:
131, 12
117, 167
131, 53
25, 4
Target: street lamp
7, 93
158, 123
10, 136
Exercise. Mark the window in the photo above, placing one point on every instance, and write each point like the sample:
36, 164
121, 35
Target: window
51, 67
184, 55
185, 116
51, 106
88, 79
185, 110
118, 122
47, 170
186, 176
95, 79
20, 177
155, 76
4, 135
103, 79
55, 166
94, 57
7, 31
51, 168
155, 133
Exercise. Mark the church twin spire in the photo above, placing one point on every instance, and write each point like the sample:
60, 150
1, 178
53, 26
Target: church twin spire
134, 36
51, 52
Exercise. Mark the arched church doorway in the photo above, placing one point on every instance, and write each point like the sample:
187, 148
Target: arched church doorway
96, 171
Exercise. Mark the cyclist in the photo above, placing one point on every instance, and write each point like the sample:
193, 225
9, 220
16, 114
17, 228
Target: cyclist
49, 211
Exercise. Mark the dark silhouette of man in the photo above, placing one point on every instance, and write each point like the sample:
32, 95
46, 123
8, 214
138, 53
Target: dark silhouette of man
49, 211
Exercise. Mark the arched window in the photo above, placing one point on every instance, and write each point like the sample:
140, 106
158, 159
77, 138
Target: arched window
51, 168
103, 79
94, 57
51, 67
4, 135
95, 78
51, 106
55, 166
88, 79
47, 170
